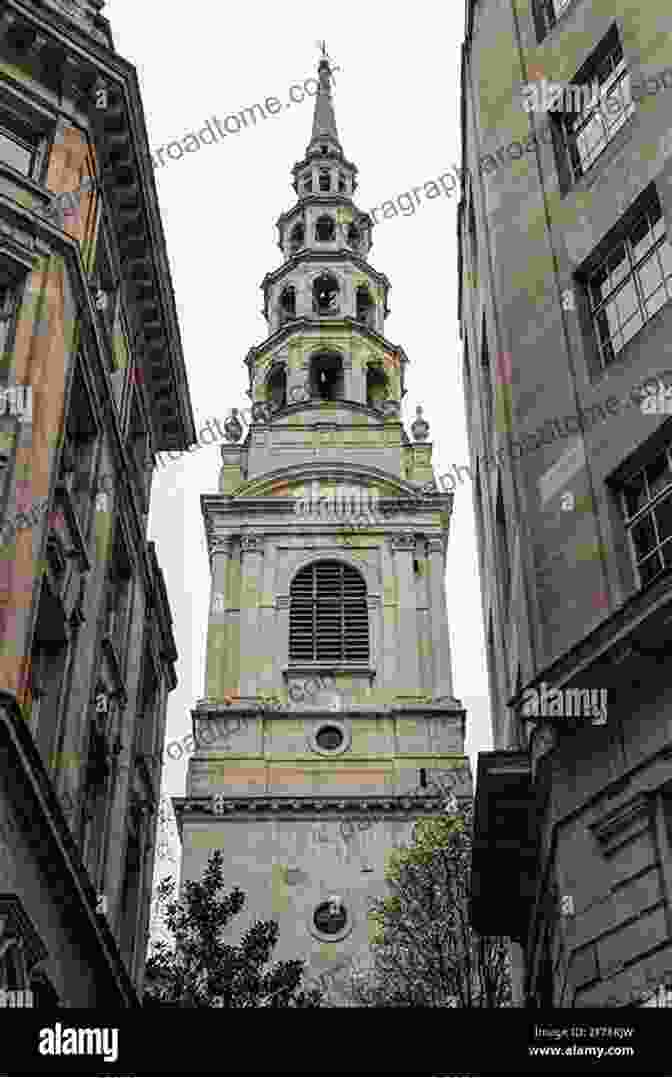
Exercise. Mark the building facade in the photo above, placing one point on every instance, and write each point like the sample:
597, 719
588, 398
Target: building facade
329, 716
565, 269
92, 385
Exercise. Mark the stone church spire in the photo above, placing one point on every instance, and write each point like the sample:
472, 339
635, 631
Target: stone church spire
328, 726
324, 119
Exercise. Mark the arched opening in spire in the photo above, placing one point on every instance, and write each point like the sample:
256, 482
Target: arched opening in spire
326, 376
297, 237
341, 183
325, 180
325, 229
354, 237
325, 294
287, 304
377, 386
364, 306
276, 386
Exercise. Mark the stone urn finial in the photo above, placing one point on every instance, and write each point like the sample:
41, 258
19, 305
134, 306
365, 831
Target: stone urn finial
420, 426
233, 428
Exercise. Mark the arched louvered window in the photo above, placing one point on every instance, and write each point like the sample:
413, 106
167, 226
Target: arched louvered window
328, 615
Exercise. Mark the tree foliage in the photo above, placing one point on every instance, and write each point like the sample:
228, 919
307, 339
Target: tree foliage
424, 951
203, 970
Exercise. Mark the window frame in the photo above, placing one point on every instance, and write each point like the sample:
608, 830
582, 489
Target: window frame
339, 724
631, 520
547, 14
141, 438
319, 609
119, 581
80, 447
648, 208
27, 134
571, 126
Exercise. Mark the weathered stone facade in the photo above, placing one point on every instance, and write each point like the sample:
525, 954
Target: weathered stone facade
86, 645
575, 816
313, 788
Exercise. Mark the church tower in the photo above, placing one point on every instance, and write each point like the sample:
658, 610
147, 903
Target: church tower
329, 724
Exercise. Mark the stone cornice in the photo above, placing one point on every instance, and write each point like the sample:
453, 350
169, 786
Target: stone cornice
364, 475
119, 133
392, 806
309, 254
207, 709
303, 325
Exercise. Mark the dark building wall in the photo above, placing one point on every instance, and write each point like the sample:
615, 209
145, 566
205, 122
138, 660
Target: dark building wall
87, 651
561, 590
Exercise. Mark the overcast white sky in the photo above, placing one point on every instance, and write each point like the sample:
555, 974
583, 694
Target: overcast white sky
397, 111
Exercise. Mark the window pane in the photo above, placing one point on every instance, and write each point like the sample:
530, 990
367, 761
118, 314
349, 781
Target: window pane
626, 303
599, 285
655, 302
663, 513
635, 494
644, 537
658, 223
650, 276
15, 154
618, 266
630, 329
641, 238
591, 141
649, 569
658, 475
665, 255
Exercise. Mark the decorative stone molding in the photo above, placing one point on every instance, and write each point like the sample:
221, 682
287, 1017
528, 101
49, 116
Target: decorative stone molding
393, 807
332, 936
221, 545
320, 725
403, 541
252, 544
436, 546
623, 823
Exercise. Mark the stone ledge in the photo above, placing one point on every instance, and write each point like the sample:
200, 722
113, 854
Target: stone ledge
393, 806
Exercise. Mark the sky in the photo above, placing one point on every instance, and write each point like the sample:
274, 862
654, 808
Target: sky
396, 100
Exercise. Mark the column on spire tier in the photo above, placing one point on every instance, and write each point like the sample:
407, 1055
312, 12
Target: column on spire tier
439, 619
408, 678
356, 389
252, 651
221, 674
389, 642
